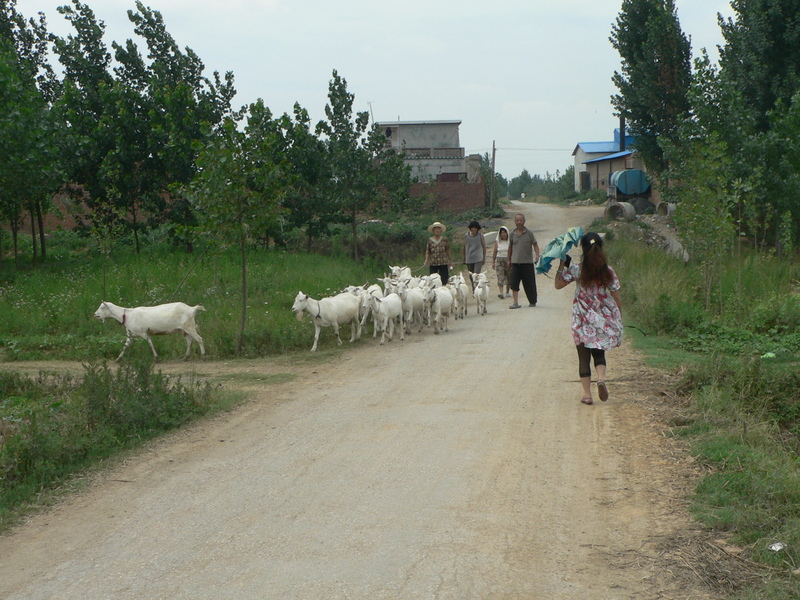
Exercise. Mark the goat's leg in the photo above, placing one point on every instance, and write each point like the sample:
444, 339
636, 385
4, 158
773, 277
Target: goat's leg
383, 331
199, 340
128, 342
316, 337
152, 347
402, 326
336, 331
190, 333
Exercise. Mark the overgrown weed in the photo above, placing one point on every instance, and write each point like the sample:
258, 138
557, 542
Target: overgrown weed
738, 356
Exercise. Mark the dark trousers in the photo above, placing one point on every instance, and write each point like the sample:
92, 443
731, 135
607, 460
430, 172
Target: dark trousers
443, 271
526, 273
584, 357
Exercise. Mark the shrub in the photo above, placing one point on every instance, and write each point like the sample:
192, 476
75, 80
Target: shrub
52, 426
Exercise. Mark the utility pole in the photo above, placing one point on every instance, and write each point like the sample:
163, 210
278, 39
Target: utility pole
491, 184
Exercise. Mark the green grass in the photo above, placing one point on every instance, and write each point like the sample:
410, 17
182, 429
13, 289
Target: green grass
54, 426
739, 360
48, 314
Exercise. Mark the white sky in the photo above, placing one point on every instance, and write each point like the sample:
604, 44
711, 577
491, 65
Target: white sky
532, 75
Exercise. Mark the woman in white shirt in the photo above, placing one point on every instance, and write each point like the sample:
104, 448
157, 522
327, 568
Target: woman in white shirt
500, 262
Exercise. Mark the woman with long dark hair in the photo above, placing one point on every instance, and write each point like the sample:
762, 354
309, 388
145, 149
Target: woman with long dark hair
596, 311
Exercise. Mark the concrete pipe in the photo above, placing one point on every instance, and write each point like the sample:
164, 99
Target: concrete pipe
620, 211
665, 209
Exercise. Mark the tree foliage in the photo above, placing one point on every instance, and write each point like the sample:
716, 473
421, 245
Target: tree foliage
551, 185
738, 118
30, 152
761, 54
238, 190
363, 173
655, 77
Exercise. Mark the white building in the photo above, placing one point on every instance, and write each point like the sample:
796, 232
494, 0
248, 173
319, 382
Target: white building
432, 150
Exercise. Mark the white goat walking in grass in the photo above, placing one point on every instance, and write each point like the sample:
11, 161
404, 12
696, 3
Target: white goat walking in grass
330, 312
144, 321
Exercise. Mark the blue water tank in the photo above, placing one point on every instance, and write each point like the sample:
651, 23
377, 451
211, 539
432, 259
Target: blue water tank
631, 182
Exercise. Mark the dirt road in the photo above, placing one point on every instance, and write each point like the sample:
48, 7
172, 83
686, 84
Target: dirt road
450, 466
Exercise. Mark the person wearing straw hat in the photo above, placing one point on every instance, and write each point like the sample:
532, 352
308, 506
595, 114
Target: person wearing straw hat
437, 252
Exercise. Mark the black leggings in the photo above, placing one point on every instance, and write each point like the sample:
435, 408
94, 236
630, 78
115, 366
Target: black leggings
584, 356
443, 271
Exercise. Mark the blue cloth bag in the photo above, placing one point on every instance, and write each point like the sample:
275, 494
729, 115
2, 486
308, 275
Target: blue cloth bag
558, 248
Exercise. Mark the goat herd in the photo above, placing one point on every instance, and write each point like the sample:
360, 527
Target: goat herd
403, 301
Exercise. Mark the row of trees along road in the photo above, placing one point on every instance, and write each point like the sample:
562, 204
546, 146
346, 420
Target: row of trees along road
721, 139
140, 141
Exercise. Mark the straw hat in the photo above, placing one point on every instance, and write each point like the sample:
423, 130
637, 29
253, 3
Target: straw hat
437, 224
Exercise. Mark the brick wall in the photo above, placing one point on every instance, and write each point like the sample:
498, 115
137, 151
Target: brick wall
451, 195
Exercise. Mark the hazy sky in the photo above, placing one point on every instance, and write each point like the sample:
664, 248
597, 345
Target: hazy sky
532, 75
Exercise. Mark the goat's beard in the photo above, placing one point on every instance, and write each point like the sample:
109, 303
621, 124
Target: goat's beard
299, 315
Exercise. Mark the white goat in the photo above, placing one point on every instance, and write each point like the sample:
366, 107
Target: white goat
441, 303
330, 312
366, 306
144, 321
434, 280
389, 285
452, 287
463, 295
480, 291
412, 305
386, 310
400, 272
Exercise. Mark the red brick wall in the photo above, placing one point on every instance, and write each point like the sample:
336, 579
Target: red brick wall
451, 195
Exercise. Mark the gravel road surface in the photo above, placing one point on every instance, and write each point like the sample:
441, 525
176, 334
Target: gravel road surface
451, 466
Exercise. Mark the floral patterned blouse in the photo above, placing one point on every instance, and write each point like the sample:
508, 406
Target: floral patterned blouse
439, 252
596, 319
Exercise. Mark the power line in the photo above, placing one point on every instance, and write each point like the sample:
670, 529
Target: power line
535, 149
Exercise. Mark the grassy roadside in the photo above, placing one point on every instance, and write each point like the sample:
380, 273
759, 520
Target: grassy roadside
739, 382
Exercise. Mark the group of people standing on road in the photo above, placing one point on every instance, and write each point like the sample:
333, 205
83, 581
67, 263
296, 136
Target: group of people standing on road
596, 307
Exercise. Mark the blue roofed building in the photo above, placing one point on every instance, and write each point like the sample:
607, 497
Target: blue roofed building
596, 161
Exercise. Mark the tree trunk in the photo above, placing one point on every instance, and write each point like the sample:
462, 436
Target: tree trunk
33, 236
15, 240
243, 245
40, 218
135, 228
355, 234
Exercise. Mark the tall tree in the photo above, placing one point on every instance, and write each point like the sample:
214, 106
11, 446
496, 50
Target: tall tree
135, 127
761, 61
364, 173
84, 102
348, 156
655, 75
308, 204
238, 189
761, 55
30, 171
181, 102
